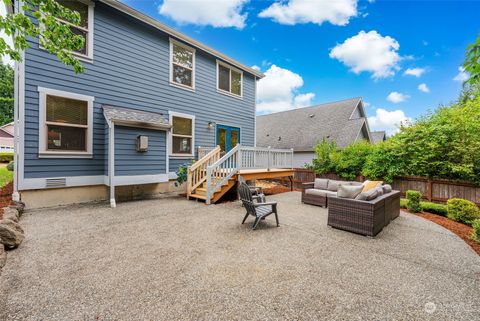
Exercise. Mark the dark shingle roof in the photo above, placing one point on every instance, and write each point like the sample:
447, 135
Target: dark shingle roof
302, 128
378, 136
134, 117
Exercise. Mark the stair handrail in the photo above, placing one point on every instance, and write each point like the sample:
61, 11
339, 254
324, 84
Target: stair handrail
195, 173
218, 175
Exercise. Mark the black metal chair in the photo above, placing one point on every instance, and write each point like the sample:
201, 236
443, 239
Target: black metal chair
260, 209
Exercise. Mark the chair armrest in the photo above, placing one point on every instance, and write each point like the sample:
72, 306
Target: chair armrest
307, 185
266, 203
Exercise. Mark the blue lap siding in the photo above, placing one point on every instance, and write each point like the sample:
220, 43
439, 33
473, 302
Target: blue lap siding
130, 69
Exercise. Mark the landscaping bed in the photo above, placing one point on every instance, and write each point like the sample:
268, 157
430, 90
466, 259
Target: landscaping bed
5, 197
272, 188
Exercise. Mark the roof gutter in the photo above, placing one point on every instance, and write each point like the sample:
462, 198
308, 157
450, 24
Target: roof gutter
172, 32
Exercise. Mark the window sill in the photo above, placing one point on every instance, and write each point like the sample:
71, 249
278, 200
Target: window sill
174, 84
226, 93
81, 57
47, 154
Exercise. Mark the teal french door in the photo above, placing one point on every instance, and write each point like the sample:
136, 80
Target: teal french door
227, 137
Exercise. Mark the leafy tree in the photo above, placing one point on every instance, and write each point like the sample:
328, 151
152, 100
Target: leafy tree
322, 163
472, 62
349, 161
42, 19
6, 94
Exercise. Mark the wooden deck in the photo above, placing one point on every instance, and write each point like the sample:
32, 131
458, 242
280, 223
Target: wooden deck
264, 173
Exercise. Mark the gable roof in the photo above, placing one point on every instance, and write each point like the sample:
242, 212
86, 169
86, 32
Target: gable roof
133, 117
378, 136
302, 128
174, 33
8, 128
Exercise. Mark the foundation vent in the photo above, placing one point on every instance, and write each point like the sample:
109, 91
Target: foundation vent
56, 182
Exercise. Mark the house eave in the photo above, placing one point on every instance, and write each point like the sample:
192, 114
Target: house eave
172, 32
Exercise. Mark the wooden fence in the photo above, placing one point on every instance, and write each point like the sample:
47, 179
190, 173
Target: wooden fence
433, 190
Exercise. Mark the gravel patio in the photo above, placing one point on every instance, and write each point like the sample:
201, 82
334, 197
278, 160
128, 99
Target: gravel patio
173, 259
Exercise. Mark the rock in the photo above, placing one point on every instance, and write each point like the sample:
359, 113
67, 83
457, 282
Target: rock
3, 257
19, 206
11, 234
10, 213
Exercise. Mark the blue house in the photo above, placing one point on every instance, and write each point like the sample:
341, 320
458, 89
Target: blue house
148, 99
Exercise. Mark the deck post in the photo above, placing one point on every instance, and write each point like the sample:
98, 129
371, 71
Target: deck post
268, 158
111, 163
291, 158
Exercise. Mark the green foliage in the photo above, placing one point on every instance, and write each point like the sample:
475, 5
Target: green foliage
414, 198
6, 176
6, 94
322, 163
472, 62
6, 157
10, 166
403, 203
349, 162
182, 172
39, 20
440, 209
461, 210
476, 230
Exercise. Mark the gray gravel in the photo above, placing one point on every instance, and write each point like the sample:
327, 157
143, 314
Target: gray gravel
173, 259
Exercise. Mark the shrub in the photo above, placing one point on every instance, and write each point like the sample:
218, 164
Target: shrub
403, 203
476, 230
10, 166
440, 209
6, 157
413, 198
322, 163
461, 210
349, 161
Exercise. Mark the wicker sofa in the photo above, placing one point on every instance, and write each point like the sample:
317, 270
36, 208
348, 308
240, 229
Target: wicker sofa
315, 194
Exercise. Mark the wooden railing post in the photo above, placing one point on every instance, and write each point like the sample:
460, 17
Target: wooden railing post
268, 158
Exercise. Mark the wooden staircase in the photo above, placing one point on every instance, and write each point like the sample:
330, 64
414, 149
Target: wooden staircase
201, 192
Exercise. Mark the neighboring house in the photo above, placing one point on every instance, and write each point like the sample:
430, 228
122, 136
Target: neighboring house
6, 138
149, 97
343, 122
378, 136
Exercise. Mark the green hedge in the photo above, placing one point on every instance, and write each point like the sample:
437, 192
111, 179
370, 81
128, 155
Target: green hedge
434, 208
476, 230
10, 166
6, 157
414, 198
461, 210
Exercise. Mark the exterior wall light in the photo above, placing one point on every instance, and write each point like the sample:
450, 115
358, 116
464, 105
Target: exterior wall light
211, 124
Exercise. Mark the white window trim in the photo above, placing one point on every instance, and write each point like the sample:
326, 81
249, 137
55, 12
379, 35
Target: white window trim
42, 126
172, 114
229, 93
173, 83
89, 42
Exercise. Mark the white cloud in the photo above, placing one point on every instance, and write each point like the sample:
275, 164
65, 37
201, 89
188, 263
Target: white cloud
388, 120
370, 52
462, 75
396, 97
8, 40
337, 12
423, 88
417, 72
225, 13
256, 67
278, 91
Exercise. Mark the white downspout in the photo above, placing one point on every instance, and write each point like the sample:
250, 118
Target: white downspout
111, 162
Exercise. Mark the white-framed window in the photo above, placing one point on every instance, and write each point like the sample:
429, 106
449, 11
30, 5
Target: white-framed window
65, 124
229, 80
85, 29
182, 65
182, 135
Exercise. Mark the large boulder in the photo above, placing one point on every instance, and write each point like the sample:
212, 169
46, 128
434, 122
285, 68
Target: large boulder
3, 257
10, 213
19, 206
11, 234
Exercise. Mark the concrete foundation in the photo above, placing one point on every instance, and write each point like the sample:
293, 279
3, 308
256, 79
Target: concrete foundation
42, 198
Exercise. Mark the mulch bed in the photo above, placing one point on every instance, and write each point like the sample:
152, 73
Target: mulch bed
462, 230
277, 190
5, 197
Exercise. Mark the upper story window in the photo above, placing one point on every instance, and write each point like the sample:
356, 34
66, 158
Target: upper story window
229, 79
182, 65
182, 135
85, 29
65, 123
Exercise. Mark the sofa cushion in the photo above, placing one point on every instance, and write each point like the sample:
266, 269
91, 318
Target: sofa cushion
318, 192
368, 185
379, 191
333, 185
367, 196
349, 191
387, 188
321, 183
352, 183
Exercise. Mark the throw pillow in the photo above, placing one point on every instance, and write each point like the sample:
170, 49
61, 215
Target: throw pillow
349, 191
320, 183
368, 185
367, 196
387, 188
379, 190
333, 185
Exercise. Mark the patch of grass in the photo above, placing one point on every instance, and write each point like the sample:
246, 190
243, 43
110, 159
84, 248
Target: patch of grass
5, 176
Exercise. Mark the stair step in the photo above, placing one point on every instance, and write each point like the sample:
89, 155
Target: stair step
201, 197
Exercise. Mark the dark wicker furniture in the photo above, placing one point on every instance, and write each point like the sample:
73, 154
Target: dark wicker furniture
363, 217
312, 199
260, 209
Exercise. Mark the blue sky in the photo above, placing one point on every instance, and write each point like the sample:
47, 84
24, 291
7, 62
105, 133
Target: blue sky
297, 37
